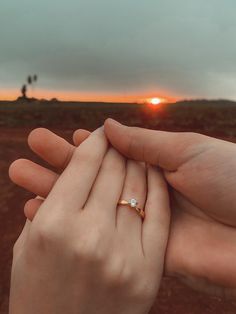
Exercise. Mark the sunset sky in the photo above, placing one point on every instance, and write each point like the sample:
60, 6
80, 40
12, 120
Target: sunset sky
124, 50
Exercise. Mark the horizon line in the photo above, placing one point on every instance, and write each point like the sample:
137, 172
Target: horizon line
117, 102
135, 97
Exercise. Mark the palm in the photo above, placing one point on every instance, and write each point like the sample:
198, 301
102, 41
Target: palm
201, 243
208, 181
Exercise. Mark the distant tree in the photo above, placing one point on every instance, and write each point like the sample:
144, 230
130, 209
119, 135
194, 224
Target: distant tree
23, 91
29, 80
33, 81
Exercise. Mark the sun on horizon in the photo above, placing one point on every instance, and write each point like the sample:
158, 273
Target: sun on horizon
155, 101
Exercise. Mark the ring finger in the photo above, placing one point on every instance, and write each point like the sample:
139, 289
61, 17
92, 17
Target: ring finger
129, 222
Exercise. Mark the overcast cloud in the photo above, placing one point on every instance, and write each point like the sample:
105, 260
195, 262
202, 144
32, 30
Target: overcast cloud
186, 47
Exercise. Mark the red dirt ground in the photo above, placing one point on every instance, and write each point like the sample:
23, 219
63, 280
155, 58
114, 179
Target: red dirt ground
174, 297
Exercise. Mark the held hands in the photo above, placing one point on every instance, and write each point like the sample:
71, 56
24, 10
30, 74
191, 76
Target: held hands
201, 172
82, 253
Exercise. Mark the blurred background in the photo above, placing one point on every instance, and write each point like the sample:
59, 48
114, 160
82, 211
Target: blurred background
160, 64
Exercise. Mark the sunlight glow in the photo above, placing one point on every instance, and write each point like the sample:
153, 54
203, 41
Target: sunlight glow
155, 101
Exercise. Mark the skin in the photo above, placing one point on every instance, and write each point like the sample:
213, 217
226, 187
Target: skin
81, 247
200, 172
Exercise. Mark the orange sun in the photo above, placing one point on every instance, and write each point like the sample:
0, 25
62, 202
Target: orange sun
155, 101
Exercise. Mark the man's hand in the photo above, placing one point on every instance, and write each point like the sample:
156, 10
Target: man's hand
201, 172
201, 169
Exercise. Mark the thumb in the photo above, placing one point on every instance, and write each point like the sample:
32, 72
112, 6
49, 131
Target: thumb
167, 150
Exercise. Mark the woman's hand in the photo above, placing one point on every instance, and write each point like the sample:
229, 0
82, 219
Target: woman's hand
84, 254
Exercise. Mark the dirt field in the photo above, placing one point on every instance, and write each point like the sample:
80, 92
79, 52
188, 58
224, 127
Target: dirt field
217, 119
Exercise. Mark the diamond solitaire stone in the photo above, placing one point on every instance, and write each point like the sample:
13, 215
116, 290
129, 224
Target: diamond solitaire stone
133, 202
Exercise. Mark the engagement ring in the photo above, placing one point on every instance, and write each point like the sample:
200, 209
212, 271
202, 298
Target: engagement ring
133, 203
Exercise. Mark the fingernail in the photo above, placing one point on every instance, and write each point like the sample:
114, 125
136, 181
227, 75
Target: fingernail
40, 198
114, 122
99, 130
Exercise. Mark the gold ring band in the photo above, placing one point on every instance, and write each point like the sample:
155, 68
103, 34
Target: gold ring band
132, 203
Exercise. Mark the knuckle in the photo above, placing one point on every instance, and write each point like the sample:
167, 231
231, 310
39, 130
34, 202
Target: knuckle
86, 156
133, 142
113, 162
90, 248
117, 274
45, 235
136, 189
193, 137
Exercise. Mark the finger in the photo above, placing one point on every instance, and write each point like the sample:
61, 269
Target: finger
128, 220
79, 136
107, 188
32, 177
52, 148
165, 149
157, 219
74, 184
31, 207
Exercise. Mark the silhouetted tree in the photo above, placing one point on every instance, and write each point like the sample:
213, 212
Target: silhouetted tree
34, 79
23, 91
29, 80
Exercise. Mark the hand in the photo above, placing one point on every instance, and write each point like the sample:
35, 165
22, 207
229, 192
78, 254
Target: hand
82, 254
202, 173
39, 180
201, 250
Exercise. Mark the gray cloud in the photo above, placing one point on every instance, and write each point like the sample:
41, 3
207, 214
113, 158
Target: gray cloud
184, 46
